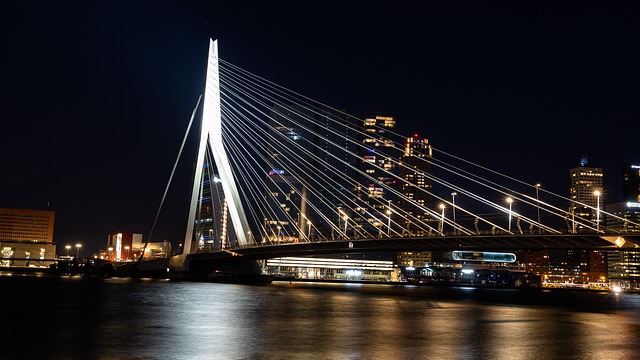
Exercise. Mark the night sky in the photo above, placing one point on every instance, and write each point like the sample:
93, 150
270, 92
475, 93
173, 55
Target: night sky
96, 95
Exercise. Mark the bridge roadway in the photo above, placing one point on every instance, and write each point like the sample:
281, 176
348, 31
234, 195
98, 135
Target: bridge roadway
630, 241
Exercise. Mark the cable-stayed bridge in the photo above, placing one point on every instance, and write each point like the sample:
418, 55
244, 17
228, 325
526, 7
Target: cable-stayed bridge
279, 174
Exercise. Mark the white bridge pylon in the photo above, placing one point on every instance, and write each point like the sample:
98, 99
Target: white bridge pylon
211, 134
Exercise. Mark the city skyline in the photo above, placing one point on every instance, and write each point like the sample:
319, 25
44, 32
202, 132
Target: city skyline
101, 94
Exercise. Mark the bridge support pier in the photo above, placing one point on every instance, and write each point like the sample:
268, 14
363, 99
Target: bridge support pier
184, 267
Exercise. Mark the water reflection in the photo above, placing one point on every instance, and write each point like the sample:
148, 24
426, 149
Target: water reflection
80, 318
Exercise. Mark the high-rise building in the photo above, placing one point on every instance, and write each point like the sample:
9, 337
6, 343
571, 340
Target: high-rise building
26, 237
624, 216
587, 197
314, 147
631, 183
378, 167
285, 208
415, 188
585, 215
623, 265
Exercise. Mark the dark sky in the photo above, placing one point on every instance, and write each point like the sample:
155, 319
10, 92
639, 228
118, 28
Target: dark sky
96, 95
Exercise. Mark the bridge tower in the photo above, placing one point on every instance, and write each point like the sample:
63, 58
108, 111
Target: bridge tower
211, 135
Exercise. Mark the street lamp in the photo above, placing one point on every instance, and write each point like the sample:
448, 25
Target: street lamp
538, 202
597, 194
509, 200
453, 204
442, 219
68, 247
309, 232
78, 246
127, 249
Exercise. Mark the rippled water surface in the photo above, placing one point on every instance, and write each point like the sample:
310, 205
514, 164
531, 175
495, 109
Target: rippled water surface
49, 317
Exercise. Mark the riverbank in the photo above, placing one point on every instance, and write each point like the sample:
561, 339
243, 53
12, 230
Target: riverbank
267, 279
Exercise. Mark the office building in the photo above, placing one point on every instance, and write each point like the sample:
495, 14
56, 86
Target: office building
379, 156
631, 183
585, 215
414, 170
623, 265
587, 197
26, 237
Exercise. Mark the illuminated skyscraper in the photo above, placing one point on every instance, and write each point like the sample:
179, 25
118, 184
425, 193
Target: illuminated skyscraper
379, 156
585, 212
415, 191
623, 266
586, 196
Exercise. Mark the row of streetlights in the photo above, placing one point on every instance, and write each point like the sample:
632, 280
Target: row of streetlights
509, 200
453, 203
345, 217
78, 246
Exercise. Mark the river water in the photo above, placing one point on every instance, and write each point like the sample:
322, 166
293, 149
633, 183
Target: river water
83, 317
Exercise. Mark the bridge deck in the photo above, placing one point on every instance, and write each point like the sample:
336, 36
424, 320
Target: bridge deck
431, 243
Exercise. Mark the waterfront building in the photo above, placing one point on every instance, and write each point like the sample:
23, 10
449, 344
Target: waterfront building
535, 262
127, 246
586, 266
558, 271
122, 246
413, 258
26, 237
623, 265
323, 268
